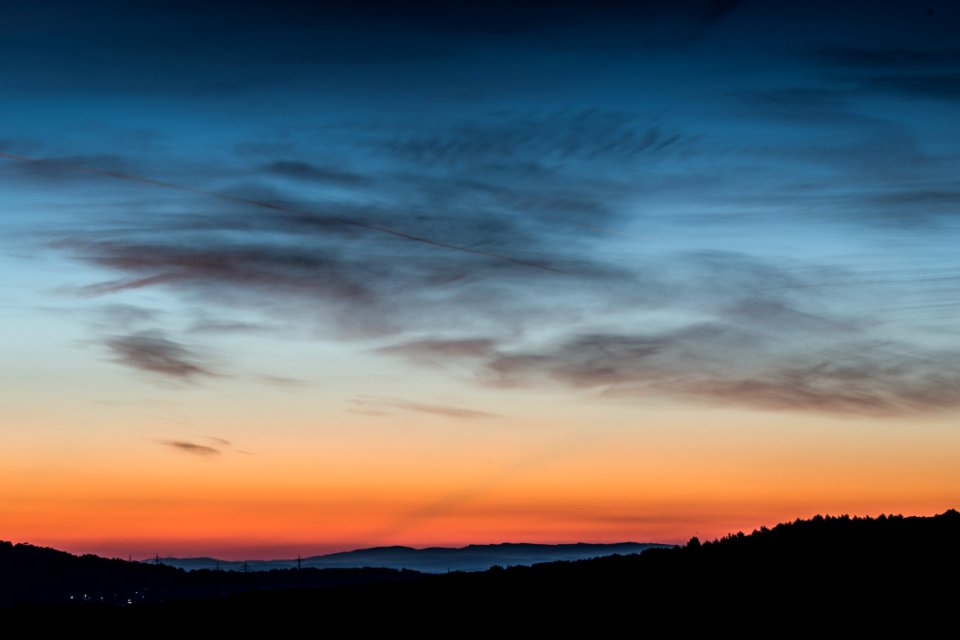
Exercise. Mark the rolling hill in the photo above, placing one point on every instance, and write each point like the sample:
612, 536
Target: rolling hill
475, 557
827, 573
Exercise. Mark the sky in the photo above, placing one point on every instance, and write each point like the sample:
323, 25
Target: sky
290, 278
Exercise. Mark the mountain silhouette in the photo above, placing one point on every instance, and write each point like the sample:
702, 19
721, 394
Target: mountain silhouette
824, 574
475, 557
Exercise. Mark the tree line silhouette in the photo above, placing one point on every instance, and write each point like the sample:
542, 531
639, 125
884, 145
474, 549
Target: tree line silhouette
849, 571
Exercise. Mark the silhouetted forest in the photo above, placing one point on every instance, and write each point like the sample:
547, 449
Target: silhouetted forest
30, 574
855, 572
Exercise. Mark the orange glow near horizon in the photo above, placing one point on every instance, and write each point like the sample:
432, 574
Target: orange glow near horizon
665, 482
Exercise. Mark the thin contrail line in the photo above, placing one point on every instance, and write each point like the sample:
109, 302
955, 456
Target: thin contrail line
278, 207
455, 500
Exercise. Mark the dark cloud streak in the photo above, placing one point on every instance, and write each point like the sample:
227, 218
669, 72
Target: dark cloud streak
154, 353
654, 199
311, 173
376, 406
723, 365
192, 448
279, 207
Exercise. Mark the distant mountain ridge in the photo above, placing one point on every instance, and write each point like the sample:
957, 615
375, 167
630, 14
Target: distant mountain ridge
474, 557
807, 573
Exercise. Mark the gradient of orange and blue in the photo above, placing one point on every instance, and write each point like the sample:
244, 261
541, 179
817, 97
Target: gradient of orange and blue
286, 278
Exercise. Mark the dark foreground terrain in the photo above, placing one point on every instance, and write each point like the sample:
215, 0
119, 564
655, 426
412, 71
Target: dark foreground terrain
826, 574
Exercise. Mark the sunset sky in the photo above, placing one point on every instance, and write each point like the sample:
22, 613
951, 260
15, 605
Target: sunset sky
286, 278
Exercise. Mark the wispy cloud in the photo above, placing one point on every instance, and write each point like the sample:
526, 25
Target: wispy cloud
378, 406
736, 251
440, 352
282, 381
752, 336
728, 366
192, 448
154, 353
299, 170
542, 140
62, 170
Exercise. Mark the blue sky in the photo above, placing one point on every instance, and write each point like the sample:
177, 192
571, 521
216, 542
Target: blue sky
454, 209
707, 181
